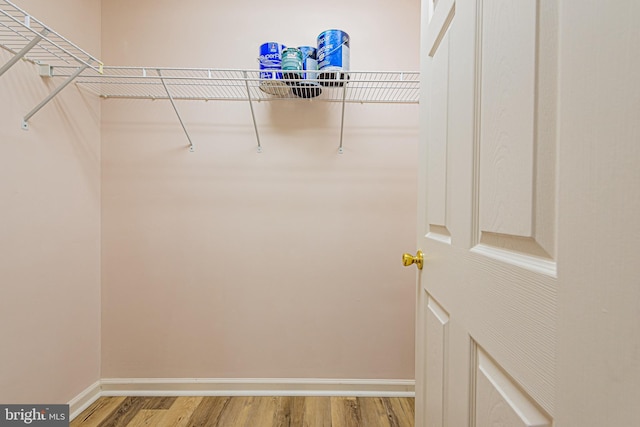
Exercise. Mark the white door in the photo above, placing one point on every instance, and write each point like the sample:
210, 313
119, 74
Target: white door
502, 185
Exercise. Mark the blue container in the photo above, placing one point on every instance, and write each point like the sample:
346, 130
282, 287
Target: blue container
271, 59
292, 64
333, 57
271, 68
308, 87
309, 62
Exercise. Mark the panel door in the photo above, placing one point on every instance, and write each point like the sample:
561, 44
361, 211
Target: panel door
487, 296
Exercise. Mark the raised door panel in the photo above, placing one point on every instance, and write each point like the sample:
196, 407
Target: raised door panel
437, 158
507, 121
499, 401
516, 144
437, 345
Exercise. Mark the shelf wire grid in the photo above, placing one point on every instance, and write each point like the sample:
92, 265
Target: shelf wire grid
228, 84
18, 29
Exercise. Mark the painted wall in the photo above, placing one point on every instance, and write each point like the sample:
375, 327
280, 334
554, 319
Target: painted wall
225, 263
50, 224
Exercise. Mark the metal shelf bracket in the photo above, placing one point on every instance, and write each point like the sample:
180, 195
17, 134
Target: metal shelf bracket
173, 104
344, 97
253, 116
27, 38
56, 91
18, 56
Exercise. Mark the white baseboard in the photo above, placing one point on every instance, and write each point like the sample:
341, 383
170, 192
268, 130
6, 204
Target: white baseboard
238, 387
255, 387
83, 400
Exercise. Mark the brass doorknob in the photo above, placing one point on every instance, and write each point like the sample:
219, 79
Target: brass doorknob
418, 260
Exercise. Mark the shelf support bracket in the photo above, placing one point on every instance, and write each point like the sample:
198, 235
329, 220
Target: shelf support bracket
344, 97
253, 116
18, 56
173, 104
56, 91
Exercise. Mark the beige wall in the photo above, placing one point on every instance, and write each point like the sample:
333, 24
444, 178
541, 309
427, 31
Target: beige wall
50, 224
227, 263
219, 263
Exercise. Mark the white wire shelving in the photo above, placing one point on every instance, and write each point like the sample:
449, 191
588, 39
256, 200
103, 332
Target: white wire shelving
29, 39
210, 84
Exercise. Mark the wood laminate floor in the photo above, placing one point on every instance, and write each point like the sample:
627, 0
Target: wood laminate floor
248, 412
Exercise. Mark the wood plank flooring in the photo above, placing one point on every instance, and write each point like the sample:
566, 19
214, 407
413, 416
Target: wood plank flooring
248, 412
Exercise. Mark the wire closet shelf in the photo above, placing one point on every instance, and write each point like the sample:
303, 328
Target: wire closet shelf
29, 39
39, 44
209, 84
